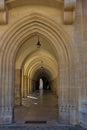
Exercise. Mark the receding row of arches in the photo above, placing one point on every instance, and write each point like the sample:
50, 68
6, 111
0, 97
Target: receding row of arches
33, 64
41, 74
21, 56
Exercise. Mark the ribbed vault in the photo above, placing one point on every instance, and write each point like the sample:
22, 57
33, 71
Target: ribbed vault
30, 59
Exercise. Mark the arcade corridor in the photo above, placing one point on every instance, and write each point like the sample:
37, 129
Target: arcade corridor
33, 65
43, 44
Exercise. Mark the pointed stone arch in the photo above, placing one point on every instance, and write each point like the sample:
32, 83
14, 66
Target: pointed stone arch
10, 44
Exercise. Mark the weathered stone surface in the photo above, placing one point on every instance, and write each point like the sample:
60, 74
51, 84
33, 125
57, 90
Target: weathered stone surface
63, 49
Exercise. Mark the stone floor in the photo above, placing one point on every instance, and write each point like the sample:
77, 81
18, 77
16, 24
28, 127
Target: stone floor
44, 108
39, 107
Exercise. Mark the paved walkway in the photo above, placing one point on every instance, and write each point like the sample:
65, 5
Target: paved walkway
40, 113
43, 107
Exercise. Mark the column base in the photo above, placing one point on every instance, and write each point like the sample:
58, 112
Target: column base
64, 117
68, 117
5, 120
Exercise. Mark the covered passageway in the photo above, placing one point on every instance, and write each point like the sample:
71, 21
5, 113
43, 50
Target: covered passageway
36, 76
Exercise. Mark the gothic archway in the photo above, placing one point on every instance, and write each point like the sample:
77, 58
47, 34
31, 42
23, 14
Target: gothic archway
10, 44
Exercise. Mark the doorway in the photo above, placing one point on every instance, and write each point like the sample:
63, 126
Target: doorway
45, 79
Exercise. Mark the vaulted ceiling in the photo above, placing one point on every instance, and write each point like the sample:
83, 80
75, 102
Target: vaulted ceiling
32, 58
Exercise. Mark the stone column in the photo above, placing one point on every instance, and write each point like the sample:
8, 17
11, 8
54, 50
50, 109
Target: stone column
17, 87
73, 95
54, 84
34, 84
6, 94
81, 46
28, 91
25, 86
31, 82
67, 95
84, 42
64, 113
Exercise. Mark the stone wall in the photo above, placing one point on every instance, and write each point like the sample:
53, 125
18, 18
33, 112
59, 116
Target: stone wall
81, 46
27, 20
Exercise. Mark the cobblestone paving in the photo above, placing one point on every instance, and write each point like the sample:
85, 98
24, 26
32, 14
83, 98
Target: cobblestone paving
39, 127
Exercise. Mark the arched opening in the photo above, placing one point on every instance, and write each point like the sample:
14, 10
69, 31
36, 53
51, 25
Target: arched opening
36, 80
45, 78
58, 57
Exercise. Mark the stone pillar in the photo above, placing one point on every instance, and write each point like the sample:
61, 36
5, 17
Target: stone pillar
73, 102
64, 109
84, 10
34, 85
6, 94
28, 91
67, 96
54, 84
17, 87
25, 86
31, 83
81, 46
